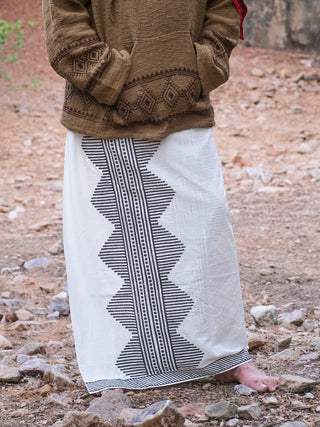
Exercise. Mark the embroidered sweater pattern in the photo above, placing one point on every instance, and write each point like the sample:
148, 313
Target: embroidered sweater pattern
140, 68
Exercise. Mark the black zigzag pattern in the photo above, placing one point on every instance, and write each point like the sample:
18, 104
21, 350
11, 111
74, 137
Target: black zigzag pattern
142, 253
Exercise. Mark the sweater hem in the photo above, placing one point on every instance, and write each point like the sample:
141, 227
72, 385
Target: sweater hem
105, 130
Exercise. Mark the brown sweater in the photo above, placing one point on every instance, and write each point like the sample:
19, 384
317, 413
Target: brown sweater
139, 68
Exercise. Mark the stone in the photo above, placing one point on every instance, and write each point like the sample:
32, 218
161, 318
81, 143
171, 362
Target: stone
316, 344
9, 270
309, 395
243, 390
109, 405
57, 248
310, 356
284, 343
4, 208
293, 424
5, 295
252, 84
22, 325
295, 383
233, 422
58, 399
250, 412
192, 409
4, 343
40, 311
266, 271
304, 148
259, 174
20, 109
21, 358
271, 401
27, 142
60, 303
163, 413
265, 314
315, 173
287, 354
58, 186
255, 341
206, 386
82, 419
57, 376
190, 424
309, 77
55, 345
297, 318
309, 325
296, 109
221, 410
40, 226
53, 316
47, 287
9, 375
257, 72
12, 303
45, 390
11, 317
20, 279
24, 315
37, 262
127, 414
34, 367
31, 348
12, 215
272, 190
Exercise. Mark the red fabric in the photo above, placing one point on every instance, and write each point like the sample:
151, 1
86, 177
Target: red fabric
242, 10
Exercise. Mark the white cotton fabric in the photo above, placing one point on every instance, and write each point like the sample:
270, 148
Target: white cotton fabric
207, 270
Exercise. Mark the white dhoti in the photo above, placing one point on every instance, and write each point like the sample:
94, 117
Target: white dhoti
151, 261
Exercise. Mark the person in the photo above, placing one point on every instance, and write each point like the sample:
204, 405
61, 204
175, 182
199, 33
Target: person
151, 261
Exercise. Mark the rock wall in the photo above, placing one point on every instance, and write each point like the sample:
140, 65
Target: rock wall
284, 24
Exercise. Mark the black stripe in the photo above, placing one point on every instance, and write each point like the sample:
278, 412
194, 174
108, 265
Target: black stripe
143, 253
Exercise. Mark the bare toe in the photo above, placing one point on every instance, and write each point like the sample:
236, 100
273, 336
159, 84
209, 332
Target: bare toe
248, 374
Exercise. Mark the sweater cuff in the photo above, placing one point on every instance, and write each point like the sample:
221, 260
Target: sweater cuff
111, 78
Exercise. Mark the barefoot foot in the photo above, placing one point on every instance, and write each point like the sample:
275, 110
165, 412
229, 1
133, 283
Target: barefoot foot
249, 375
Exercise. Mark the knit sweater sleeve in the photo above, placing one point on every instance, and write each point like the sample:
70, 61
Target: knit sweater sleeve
76, 53
219, 35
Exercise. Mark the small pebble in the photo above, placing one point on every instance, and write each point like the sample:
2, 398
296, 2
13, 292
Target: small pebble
58, 399
5, 343
37, 262
271, 401
60, 303
257, 72
233, 422
309, 395
242, 390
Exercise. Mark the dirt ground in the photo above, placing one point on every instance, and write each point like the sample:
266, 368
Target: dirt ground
268, 138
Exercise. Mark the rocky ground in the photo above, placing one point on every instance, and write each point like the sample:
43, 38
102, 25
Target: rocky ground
268, 138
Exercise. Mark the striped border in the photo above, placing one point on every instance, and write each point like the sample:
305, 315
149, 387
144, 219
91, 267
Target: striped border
170, 378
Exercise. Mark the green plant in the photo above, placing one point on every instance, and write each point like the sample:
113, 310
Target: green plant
13, 33
13, 58
15, 88
35, 82
5, 75
6, 28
